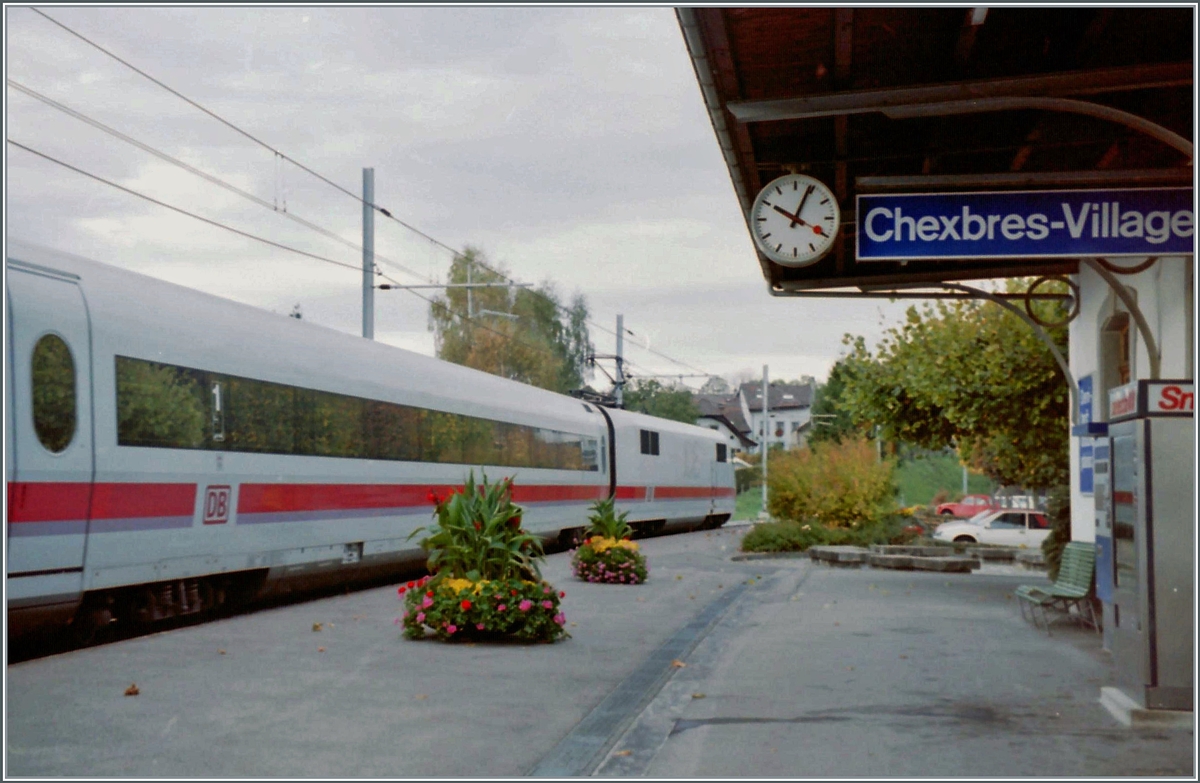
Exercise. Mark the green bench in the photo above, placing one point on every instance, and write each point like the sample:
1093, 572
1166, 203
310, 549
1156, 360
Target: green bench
1073, 588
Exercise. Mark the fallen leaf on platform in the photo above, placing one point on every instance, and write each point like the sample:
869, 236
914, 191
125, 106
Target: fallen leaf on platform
421, 696
679, 576
697, 695
316, 626
623, 753
222, 652
849, 668
320, 649
678, 664
132, 690
904, 657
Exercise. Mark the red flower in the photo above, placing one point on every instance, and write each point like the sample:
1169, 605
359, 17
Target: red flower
562, 594
478, 526
465, 605
514, 592
434, 499
401, 589
429, 594
516, 521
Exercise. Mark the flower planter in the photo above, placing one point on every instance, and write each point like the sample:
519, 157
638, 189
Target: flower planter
609, 561
486, 583
460, 609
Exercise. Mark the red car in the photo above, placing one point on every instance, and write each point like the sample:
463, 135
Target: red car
969, 506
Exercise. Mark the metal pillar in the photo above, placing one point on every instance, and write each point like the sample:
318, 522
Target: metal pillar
368, 262
620, 382
766, 437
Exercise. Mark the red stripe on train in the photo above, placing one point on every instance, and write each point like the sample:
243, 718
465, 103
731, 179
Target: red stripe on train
268, 498
58, 501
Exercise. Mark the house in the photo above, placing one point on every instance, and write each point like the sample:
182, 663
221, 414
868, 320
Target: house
723, 413
789, 410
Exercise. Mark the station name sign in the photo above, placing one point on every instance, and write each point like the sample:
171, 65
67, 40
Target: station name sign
1025, 224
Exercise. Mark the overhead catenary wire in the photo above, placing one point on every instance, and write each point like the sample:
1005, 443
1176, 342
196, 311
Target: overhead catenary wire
182, 211
272, 243
321, 177
199, 173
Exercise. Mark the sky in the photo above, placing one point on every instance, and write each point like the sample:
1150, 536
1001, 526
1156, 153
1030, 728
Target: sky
568, 144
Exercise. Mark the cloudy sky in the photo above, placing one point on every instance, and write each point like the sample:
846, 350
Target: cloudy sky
569, 144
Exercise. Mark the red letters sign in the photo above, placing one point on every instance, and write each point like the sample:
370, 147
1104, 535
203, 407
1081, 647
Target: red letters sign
216, 505
1172, 398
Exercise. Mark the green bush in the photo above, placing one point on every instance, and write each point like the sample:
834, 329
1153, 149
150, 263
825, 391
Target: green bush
747, 478
1058, 509
798, 536
838, 485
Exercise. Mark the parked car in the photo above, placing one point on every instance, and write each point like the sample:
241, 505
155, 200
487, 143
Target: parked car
1008, 527
969, 506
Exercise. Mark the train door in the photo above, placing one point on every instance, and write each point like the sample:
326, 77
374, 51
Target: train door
49, 486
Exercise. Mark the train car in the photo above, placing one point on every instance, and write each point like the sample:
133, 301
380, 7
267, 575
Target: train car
167, 450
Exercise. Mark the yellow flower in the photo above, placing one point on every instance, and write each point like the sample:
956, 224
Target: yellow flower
455, 585
600, 544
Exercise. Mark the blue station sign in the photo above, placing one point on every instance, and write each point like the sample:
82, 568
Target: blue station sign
1025, 224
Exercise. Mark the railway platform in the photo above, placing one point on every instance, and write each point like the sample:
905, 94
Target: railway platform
713, 668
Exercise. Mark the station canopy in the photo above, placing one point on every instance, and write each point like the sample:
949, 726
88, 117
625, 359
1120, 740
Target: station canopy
936, 100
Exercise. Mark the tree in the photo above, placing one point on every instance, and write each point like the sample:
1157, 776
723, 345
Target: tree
716, 385
972, 375
668, 402
521, 334
831, 419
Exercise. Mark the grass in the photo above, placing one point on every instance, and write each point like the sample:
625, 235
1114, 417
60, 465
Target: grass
749, 503
921, 478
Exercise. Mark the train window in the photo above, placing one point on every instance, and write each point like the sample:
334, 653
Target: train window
649, 442
167, 406
160, 405
53, 374
721, 452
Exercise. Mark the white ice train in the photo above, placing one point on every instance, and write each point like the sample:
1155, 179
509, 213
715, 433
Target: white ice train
167, 450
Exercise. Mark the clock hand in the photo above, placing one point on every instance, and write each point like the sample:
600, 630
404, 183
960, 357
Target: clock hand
794, 218
800, 208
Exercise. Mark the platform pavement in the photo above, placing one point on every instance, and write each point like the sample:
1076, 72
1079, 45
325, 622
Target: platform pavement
791, 669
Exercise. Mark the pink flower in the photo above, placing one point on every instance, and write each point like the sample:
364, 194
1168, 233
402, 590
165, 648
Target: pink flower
428, 602
525, 605
451, 628
396, 621
546, 589
420, 617
560, 619
478, 626
547, 605
501, 608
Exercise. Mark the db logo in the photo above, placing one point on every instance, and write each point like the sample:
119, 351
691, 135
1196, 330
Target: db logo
216, 505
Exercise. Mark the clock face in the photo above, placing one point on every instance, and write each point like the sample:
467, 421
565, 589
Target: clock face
795, 220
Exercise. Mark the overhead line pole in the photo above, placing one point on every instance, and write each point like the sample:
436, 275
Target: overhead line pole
368, 257
620, 382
